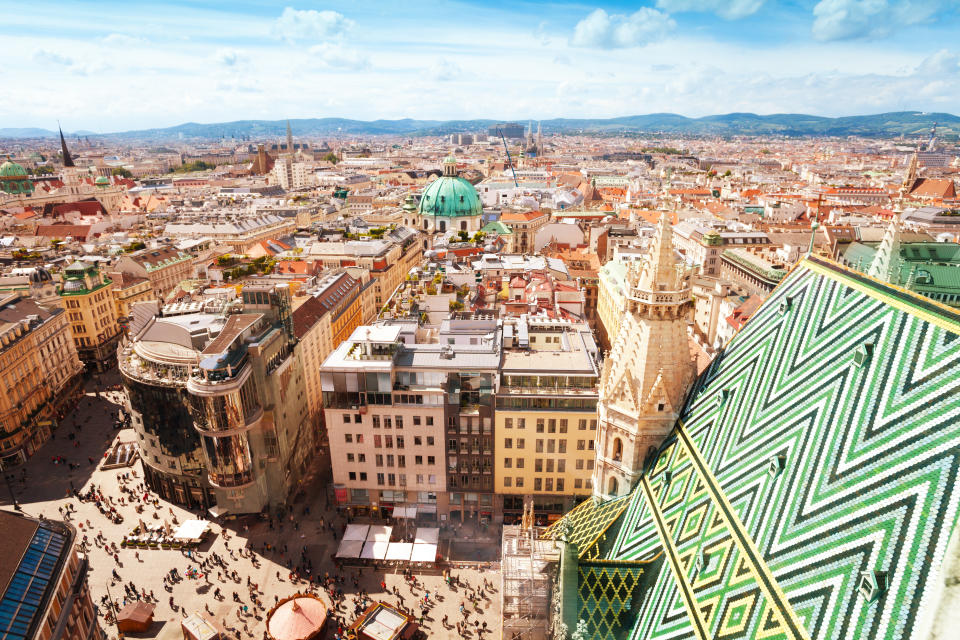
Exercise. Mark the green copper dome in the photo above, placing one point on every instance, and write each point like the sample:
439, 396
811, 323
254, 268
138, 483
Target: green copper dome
10, 169
450, 195
102, 181
14, 179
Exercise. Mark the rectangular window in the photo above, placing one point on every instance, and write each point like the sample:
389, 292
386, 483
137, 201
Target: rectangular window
590, 465
578, 483
582, 426
539, 425
559, 484
539, 445
377, 441
519, 463
521, 423
508, 443
401, 461
519, 482
348, 437
551, 445
549, 465
432, 479
361, 457
418, 459
590, 445
431, 460
581, 445
353, 475
429, 421
416, 421
593, 425
563, 425
403, 479
451, 444
561, 466
430, 441
508, 423
357, 418
359, 438
419, 478
399, 442
380, 479
363, 476
506, 481
398, 420
520, 443
538, 465
507, 463
391, 479
538, 484
417, 441
376, 422
562, 446
349, 457
386, 422
346, 418
579, 465
549, 484
389, 460
379, 459
388, 442
552, 425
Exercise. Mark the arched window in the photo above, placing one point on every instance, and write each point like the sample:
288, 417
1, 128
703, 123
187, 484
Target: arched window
617, 449
463, 225
612, 489
443, 226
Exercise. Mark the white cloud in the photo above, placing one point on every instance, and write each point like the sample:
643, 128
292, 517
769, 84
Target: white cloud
729, 9
942, 62
121, 40
229, 57
614, 31
294, 24
445, 70
47, 57
854, 19
340, 57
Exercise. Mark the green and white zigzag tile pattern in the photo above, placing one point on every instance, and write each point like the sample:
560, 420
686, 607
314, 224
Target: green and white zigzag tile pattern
832, 464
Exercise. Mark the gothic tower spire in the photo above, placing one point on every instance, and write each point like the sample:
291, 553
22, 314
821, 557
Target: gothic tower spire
289, 138
649, 369
886, 262
67, 160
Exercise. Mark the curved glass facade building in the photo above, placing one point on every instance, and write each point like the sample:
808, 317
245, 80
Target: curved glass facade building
214, 397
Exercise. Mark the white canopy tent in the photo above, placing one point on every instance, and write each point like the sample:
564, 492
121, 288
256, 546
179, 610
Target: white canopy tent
379, 533
405, 512
350, 549
424, 553
356, 532
427, 535
374, 550
399, 551
192, 530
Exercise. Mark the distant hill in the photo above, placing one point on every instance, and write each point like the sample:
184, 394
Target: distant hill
731, 124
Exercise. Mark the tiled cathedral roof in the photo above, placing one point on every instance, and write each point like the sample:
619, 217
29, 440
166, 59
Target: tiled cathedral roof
810, 487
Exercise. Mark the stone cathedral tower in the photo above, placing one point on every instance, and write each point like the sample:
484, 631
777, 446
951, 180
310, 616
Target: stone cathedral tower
648, 371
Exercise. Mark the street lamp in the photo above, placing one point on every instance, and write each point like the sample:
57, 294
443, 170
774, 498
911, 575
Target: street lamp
16, 505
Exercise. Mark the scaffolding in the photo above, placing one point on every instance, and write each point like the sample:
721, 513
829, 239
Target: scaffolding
528, 571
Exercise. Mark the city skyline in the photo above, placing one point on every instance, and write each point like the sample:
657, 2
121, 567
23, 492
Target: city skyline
111, 67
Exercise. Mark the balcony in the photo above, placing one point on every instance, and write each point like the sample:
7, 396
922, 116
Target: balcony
230, 480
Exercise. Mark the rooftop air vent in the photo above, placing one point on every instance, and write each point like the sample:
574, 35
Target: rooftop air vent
776, 465
863, 353
872, 584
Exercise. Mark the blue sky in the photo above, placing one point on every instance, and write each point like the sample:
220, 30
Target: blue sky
110, 66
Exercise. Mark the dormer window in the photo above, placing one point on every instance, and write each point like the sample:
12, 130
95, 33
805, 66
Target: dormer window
872, 584
862, 354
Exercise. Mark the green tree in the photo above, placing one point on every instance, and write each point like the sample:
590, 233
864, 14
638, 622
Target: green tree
463, 235
331, 158
478, 237
44, 170
120, 171
456, 305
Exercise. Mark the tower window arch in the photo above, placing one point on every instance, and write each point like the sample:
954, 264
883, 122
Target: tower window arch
617, 449
612, 487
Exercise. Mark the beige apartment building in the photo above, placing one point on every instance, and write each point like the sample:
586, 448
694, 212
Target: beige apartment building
165, 267
39, 370
87, 298
546, 417
388, 260
127, 290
